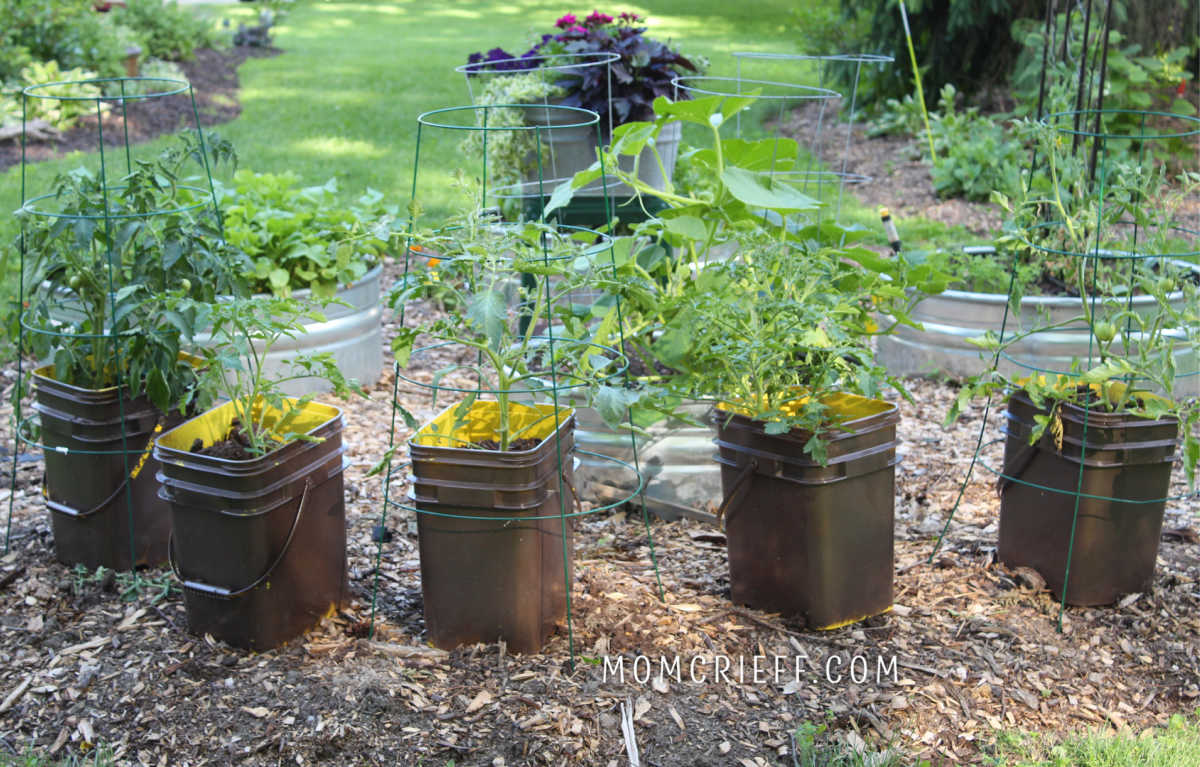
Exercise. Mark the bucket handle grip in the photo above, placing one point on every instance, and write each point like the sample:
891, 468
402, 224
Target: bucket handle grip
728, 506
222, 592
70, 511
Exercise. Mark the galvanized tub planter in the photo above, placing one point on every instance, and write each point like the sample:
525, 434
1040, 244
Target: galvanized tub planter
1126, 478
259, 545
809, 541
571, 148
952, 317
495, 552
100, 487
352, 333
675, 458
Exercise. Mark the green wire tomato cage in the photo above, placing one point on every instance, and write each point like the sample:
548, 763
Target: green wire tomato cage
1089, 447
114, 418
526, 494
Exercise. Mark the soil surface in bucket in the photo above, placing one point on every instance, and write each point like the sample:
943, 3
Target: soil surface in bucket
235, 446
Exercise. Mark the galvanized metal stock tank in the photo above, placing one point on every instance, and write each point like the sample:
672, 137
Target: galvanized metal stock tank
351, 333
953, 317
676, 459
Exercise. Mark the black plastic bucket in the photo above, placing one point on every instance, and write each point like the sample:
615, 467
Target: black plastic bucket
1128, 460
805, 540
100, 474
490, 569
259, 545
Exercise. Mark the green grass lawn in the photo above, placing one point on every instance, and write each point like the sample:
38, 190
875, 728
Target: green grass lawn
343, 99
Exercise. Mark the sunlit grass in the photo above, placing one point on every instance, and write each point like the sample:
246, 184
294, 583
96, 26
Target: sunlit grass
343, 98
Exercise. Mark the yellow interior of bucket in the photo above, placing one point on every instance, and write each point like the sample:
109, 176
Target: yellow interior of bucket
1111, 391
213, 425
47, 371
842, 406
482, 422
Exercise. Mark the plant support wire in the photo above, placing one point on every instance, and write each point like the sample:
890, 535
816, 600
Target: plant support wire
112, 94
1135, 247
827, 67
555, 383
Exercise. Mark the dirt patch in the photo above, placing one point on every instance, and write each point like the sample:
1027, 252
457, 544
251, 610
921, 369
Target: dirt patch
234, 447
213, 76
887, 171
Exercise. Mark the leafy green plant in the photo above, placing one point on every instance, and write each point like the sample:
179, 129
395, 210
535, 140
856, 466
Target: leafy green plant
300, 237
69, 32
1134, 79
56, 104
813, 746
976, 155
643, 71
1177, 743
782, 323
1106, 241
101, 755
501, 319
243, 332
511, 155
168, 31
104, 267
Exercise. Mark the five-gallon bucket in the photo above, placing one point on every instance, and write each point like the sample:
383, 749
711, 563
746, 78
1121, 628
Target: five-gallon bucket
260, 544
807, 540
495, 552
100, 486
1126, 478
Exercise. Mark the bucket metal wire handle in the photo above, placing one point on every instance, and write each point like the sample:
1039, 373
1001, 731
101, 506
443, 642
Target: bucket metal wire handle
224, 593
71, 511
728, 507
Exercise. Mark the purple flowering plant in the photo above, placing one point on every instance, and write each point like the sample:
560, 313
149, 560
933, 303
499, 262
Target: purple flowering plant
642, 73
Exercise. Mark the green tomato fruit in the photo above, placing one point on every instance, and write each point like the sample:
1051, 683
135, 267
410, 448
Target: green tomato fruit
75, 281
186, 285
1105, 332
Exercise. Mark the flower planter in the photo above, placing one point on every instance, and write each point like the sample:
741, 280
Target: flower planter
492, 543
1127, 465
259, 545
571, 147
954, 316
805, 540
350, 333
100, 487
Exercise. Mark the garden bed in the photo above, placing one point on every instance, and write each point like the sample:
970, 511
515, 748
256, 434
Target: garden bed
974, 644
213, 76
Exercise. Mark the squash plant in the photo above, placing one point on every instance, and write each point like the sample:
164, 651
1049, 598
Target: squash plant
105, 263
789, 317
300, 237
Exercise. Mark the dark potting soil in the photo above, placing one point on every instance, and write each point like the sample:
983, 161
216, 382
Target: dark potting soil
213, 76
235, 446
516, 446
640, 366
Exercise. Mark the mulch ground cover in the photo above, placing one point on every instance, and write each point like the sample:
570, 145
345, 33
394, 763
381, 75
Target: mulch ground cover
971, 647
